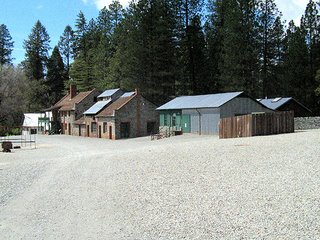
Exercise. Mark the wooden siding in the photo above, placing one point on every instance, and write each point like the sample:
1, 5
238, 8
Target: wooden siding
257, 125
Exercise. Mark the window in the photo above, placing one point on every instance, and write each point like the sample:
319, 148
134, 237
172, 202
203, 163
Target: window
105, 127
174, 120
93, 127
165, 120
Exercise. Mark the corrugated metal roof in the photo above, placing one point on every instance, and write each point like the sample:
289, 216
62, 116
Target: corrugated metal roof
116, 105
127, 94
274, 103
108, 93
97, 107
199, 101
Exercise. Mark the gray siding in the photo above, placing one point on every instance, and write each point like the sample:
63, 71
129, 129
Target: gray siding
207, 123
241, 106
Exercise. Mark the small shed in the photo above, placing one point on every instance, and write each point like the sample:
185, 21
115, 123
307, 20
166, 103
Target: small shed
287, 104
32, 123
201, 114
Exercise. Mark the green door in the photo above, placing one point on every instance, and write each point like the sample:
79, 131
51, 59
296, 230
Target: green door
185, 123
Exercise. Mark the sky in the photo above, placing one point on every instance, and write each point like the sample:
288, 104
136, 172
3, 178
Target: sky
20, 16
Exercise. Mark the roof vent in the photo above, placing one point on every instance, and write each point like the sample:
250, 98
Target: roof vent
276, 100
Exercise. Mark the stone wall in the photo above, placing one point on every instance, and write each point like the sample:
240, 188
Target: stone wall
106, 124
85, 104
138, 112
304, 123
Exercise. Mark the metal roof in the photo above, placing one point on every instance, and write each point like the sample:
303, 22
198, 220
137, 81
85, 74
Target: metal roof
108, 93
200, 101
97, 107
274, 103
127, 94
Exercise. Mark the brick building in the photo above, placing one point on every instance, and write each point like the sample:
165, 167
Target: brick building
71, 107
130, 115
87, 125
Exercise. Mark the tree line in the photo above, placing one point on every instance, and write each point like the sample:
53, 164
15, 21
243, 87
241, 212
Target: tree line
176, 47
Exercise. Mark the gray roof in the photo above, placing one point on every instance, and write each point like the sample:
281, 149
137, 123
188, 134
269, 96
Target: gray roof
108, 93
97, 107
200, 101
275, 103
128, 94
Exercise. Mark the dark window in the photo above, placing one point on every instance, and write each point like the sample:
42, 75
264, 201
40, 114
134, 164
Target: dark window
93, 127
124, 130
105, 127
151, 127
173, 120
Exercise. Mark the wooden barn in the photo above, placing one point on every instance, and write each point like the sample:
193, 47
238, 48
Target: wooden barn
286, 104
201, 114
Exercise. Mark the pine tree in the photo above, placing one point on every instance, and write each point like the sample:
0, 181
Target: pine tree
145, 55
65, 46
268, 14
296, 64
80, 74
6, 45
278, 34
116, 14
79, 35
56, 77
86, 40
214, 37
239, 52
195, 62
187, 11
310, 24
37, 47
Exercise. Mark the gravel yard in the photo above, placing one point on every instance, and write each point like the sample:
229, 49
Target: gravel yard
184, 187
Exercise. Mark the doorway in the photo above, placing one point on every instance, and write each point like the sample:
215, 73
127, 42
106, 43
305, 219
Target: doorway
99, 133
79, 130
110, 132
88, 128
185, 123
124, 129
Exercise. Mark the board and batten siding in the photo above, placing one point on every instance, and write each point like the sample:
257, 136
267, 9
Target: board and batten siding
204, 121
241, 106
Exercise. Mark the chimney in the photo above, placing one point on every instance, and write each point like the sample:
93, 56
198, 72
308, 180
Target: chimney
73, 90
137, 91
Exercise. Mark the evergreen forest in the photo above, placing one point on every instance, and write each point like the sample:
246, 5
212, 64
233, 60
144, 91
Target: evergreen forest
167, 48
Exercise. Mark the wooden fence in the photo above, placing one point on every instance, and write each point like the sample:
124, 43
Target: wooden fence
256, 125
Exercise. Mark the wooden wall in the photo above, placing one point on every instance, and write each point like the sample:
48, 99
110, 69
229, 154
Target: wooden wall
257, 125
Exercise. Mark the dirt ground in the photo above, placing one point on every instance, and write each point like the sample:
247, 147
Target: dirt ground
184, 187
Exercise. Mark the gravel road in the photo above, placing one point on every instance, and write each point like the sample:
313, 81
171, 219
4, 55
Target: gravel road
185, 187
